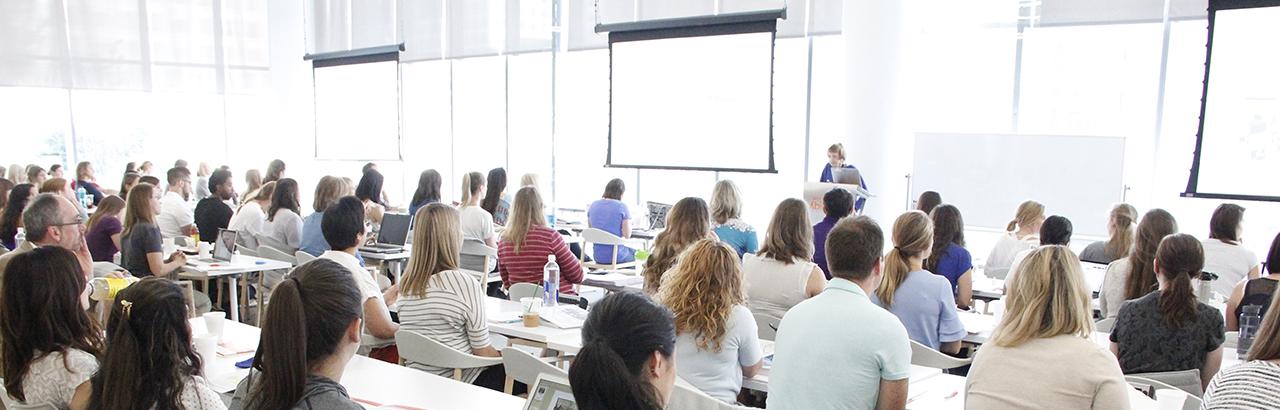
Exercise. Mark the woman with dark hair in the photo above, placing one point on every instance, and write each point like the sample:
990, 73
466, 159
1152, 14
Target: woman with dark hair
283, 225
104, 229
5, 186
127, 183
149, 321
611, 215
1168, 330
1256, 292
1134, 276
369, 191
11, 219
782, 273
949, 258
495, 201
1223, 252
627, 359
309, 334
50, 344
428, 190
275, 171
141, 246
928, 201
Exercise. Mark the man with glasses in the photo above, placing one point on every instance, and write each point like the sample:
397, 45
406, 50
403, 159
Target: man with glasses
52, 220
176, 216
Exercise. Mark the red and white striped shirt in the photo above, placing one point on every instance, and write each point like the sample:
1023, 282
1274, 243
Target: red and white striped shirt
526, 266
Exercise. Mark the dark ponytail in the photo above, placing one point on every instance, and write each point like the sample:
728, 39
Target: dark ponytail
620, 335
307, 319
149, 358
1180, 257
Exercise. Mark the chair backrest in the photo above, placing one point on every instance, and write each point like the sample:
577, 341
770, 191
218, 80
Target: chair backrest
996, 273
303, 257
1191, 402
766, 325
922, 355
477, 256
421, 349
525, 368
40, 406
266, 241
246, 250
1186, 380
524, 290
1105, 325
1232, 340
601, 237
477, 248
276, 255
687, 397
247, 240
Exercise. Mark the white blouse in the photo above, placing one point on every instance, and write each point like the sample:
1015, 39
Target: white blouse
1001, 257
773, 287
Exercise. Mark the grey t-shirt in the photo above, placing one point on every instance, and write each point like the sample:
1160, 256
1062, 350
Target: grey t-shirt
144, 238
1097, 253
1149, 344
319, 393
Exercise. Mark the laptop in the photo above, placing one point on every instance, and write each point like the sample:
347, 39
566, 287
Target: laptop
223, 249
1094, 273
550, 393
392, 235
850, 176
657, 215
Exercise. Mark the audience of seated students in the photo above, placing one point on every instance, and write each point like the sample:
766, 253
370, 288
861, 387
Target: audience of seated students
284, 226
816, 335
1255, 292
782, 274
149, 320
1041, 352
328, 191
275, 171
527, 245
1223, 253
36, 175
921, 300
688, 221
1120, 227
428, 191
726, 213
1251, 384
11, 218
141, 244
177, 218
104, 229
369, 191
495, 201
309, 334
202, 189
127, 182
611, 215
251, 216
443, 303
628, 358
50, 344
836, 204
212, 213
1168, 330
253, 182
1135, 276
929, 200
1022, 234
51, 220
477, 223
948, 257
717, 342
85, 179
55, 171
835, 159
343, 227
1055, 230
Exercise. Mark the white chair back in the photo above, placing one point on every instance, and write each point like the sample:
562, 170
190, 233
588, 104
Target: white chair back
274, 254
247, 251
1105, 325
477, 256
922, 355
421, 349
40, 406
766, 325
1142, 383
525, 368
1232, 340
687, 397
1186, 380
524, 290
303, 257
596, 236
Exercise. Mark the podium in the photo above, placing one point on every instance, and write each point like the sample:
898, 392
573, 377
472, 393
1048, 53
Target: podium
814, 191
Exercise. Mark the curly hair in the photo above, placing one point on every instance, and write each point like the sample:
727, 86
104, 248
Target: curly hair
702, 290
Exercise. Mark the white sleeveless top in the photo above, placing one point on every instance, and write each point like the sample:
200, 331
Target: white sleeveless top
774, 287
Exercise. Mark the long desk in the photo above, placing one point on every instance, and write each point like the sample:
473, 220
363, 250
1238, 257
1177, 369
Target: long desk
239, 265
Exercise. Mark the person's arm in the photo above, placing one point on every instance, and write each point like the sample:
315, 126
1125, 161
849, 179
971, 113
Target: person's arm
80, 399
751, 371
750, 353
1115, 349
1212, 362
893, 395
1255, 272
816, 283
570, 269
115, 239
950, 329
391, 295
159, 267
753, 243
952, 348
1233, 303
964, 290
477, 327
377, 320
626, 228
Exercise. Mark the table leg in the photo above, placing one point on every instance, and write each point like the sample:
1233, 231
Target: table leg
233, 291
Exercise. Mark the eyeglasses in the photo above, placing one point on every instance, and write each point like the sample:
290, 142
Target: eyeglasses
77, 221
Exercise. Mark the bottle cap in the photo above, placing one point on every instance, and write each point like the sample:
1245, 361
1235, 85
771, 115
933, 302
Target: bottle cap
551, 258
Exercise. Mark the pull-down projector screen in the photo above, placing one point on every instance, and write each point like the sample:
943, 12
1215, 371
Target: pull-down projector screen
693, 98
357, 102
1238, 147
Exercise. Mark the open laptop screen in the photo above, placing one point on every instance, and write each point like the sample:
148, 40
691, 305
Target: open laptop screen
395, 229
551, 393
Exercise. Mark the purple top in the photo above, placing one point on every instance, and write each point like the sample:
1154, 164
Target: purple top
820, 232
607, 215
99, 239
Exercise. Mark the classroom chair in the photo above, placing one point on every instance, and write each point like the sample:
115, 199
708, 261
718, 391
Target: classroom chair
523, 367
421, 349
246, 250
1105, 325
1232, 340
925, 356
477, 256
524, 290
303, 257
1185, 380
1150, 386
687, 397
593, 236
767, 325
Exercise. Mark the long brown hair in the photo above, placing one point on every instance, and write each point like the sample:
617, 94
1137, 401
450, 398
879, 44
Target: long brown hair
284, 197
790, 237
687, 222
437, 239
1050, 299
1155, 225
948, 228
703, 289
1123, 217
149, 358
111, 205
138, 209
1181, 258
53, 185
1266, 346
526, 213
41, 314
912, 236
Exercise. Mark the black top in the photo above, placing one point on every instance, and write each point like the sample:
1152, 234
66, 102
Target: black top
1257, 292
144, 238
211, 214
95, 194
1148, 344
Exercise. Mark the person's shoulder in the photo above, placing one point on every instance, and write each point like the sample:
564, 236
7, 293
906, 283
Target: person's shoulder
1209, 313
957, 251
933, 280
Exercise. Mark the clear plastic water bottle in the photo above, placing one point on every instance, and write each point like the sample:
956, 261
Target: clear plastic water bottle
1250, 318
551, 282
82, 196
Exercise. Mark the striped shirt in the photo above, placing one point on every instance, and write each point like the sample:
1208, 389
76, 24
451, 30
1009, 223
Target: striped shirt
526, 266
1249, 385
451, 313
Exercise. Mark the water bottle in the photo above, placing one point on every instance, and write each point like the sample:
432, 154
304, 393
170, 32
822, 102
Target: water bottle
551, 282
1250, 317
82, 196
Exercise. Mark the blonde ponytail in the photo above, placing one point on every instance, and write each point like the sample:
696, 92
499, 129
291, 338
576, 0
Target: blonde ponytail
912, 236
1028, 212
471, 183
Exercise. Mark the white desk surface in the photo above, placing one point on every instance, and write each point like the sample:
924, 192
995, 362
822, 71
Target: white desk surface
239, 264
372, 382
540, 334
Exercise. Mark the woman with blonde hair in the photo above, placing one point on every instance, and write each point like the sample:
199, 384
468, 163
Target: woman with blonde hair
782, 274
253, 182
202, 180
328, 191
1134, 276
1120, 225
85, 179
528, 244
17, 174
1048, 317
687, 222
726, 209
477, 223
716, 336
922, 301
251, 216
1021, 234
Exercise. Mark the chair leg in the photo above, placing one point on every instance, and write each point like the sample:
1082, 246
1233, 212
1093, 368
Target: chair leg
457, 374
509, 386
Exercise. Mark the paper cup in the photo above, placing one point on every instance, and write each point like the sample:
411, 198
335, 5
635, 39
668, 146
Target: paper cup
1169, 399
214, 321
207, 348
205, 250
529, 308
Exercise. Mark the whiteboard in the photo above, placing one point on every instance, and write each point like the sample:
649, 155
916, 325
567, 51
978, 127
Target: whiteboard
988, 175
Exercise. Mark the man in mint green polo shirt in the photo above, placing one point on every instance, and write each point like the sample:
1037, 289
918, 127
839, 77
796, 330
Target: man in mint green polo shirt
838, 350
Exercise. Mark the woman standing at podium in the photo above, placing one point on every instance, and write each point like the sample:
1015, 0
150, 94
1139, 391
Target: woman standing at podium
835, 159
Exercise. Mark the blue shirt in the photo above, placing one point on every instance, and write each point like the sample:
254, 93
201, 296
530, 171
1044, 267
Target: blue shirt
738, 235
607, 215
820, 232
953, 263
862, 182
313, 241
926, 307
413, 208
839, 329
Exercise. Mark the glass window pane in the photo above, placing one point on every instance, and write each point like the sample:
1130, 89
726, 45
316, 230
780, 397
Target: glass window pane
479, 114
